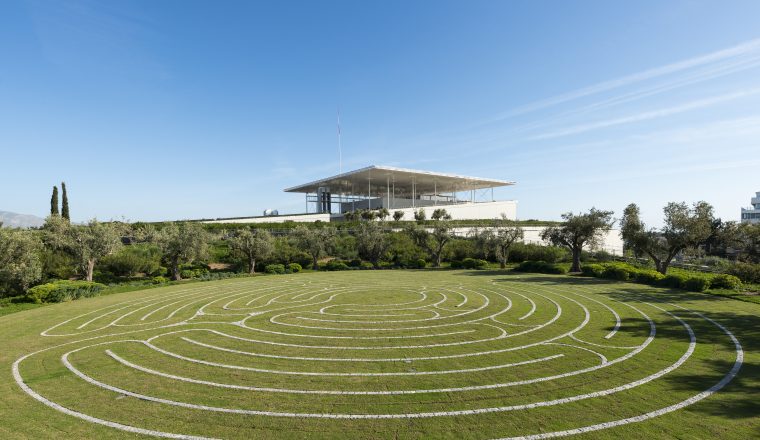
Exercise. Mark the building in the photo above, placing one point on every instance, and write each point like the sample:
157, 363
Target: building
405, 190
752, 215
395, 189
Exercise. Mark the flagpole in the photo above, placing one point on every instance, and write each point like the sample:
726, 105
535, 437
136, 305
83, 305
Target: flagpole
340, 150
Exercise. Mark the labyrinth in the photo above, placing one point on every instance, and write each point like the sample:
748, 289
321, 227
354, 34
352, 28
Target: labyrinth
383, 354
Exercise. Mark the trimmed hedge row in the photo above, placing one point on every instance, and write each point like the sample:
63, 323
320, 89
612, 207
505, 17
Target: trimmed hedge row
470, 263
541, 267
691, 282
63, 290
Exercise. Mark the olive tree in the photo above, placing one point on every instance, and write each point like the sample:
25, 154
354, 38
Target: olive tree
502, 236
578, 231
684, 228
434, 239
20, 264
398, 215
372, 242
251, 246
316, 242
181, 243
86, 244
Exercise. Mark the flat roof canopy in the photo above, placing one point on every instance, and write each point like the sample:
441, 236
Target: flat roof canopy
380, 177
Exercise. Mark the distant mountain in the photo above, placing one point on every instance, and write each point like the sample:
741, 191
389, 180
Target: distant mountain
14, 220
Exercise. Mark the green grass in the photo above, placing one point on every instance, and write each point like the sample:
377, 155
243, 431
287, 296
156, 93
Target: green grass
366, 333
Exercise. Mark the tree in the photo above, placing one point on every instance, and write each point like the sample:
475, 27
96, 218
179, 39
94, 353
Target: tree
383, 213
749, 242
85, 244
440, 214
54, 201
398, 215
435, 240
367, 214
181, 243
420, 216
20, 264
314, 241
684, 228
372, 242
351, 216
65, 203
91, 242
579, 230
251, 246
504, 234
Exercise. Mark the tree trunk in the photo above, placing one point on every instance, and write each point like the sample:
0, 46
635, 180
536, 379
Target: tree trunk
176, 275
90, 269
438, 260
503, 263
251, 266
315, 266
576, 260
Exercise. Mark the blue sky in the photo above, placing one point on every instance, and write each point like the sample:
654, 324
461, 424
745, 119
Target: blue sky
156, 110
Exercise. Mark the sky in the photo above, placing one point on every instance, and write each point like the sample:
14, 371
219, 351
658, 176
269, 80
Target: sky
162, 110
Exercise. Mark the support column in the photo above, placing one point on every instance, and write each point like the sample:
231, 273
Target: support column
369, 192
388, 190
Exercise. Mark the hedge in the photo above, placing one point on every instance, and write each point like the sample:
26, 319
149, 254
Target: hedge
277, 269
687, 281
63, 290
540, 267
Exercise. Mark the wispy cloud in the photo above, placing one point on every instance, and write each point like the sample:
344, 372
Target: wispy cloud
652, 114
741, 56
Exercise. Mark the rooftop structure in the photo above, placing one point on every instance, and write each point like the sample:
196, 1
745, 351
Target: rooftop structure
752, 215
375, 187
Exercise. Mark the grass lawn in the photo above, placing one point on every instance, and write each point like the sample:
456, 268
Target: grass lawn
385, 354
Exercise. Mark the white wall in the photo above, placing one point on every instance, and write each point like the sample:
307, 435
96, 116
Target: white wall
611, 241
469, 211
303, 218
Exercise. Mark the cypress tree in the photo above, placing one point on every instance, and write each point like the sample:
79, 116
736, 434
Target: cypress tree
65, 203
54, 201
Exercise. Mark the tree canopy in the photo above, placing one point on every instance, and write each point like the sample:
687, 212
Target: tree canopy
578, 231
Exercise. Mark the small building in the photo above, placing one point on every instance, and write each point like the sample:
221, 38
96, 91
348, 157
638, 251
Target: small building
752, 215
401, 189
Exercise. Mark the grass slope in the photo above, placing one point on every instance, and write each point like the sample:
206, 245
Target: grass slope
384, 354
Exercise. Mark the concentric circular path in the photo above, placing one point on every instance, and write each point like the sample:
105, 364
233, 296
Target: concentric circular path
380, 355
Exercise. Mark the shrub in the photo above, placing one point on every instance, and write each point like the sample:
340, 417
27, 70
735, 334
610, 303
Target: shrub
602, 256
725, 281
592, 270
676, 281
63, 290
455, 264
647, 276
366, 265
746, 272
334, 265
277, 269
159, 280
474, 263
540, 267
294, 267
696, 284
616, 272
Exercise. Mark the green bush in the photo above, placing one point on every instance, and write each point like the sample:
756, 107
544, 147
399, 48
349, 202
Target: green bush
746, 272
474, 263
334, 265
540, 267
159, 280
725, 281
616, 272
412, 263
277, 269
592, 270
63, 290
366, 265
647, 276
697, 284
676, 281
455, 264
294, 267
